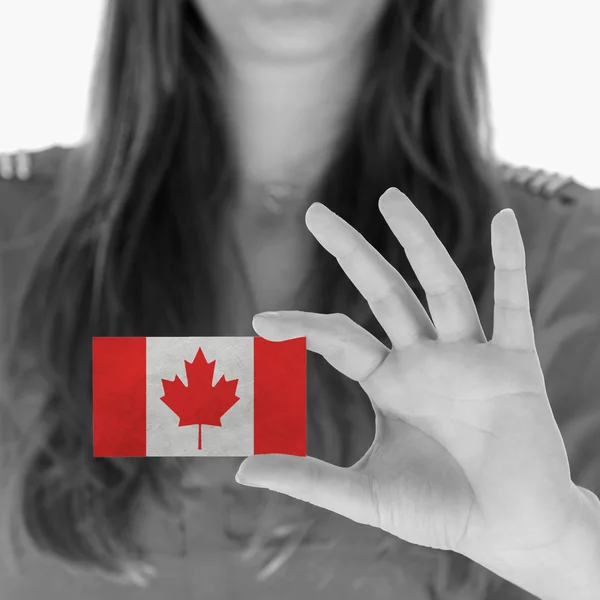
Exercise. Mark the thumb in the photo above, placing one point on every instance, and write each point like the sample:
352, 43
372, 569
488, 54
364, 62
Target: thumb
338, 489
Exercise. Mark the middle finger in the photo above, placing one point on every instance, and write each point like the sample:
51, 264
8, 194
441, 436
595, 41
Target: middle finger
450, 302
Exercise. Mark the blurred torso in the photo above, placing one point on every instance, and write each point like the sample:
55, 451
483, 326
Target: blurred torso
193, 556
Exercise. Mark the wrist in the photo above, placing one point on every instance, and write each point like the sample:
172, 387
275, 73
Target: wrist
570, 570
586, 548
578, 578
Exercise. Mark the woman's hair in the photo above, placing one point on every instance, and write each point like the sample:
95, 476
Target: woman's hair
131, 252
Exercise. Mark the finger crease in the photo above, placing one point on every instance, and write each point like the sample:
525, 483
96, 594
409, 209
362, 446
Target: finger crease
443, 291
505, 305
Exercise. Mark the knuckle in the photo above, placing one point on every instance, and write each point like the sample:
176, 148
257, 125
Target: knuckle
341, 319
313, 473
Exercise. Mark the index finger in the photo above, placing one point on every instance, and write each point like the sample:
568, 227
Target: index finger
391, 299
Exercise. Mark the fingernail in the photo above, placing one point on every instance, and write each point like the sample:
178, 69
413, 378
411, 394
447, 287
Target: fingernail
392, 192
244, 482
319, 207
267, 315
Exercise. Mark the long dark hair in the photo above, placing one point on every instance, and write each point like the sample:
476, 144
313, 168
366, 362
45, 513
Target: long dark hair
142, 196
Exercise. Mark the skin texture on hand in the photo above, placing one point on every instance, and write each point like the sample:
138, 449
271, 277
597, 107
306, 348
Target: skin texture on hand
567, 570
467, 455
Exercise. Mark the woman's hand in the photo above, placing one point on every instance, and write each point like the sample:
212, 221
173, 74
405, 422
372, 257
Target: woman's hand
467, 455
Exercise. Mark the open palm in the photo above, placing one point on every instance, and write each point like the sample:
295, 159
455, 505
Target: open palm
467, 455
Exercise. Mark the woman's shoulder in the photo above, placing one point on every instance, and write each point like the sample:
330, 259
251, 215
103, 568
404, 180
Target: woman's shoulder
549, 205
27, 190
28, 202
32, 166
547, 186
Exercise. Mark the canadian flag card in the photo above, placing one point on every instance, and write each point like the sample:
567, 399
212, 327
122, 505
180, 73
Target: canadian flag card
198, 396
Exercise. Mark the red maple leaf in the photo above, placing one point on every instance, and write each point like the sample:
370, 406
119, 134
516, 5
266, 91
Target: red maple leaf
200, 403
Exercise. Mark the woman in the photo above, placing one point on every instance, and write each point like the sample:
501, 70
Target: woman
214, 126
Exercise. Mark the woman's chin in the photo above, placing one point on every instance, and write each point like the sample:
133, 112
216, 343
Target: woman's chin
292, 39
289, 29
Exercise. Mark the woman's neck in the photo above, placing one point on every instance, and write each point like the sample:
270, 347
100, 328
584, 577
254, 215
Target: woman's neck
285, 118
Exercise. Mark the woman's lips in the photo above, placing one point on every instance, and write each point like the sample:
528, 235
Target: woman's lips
293, 8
